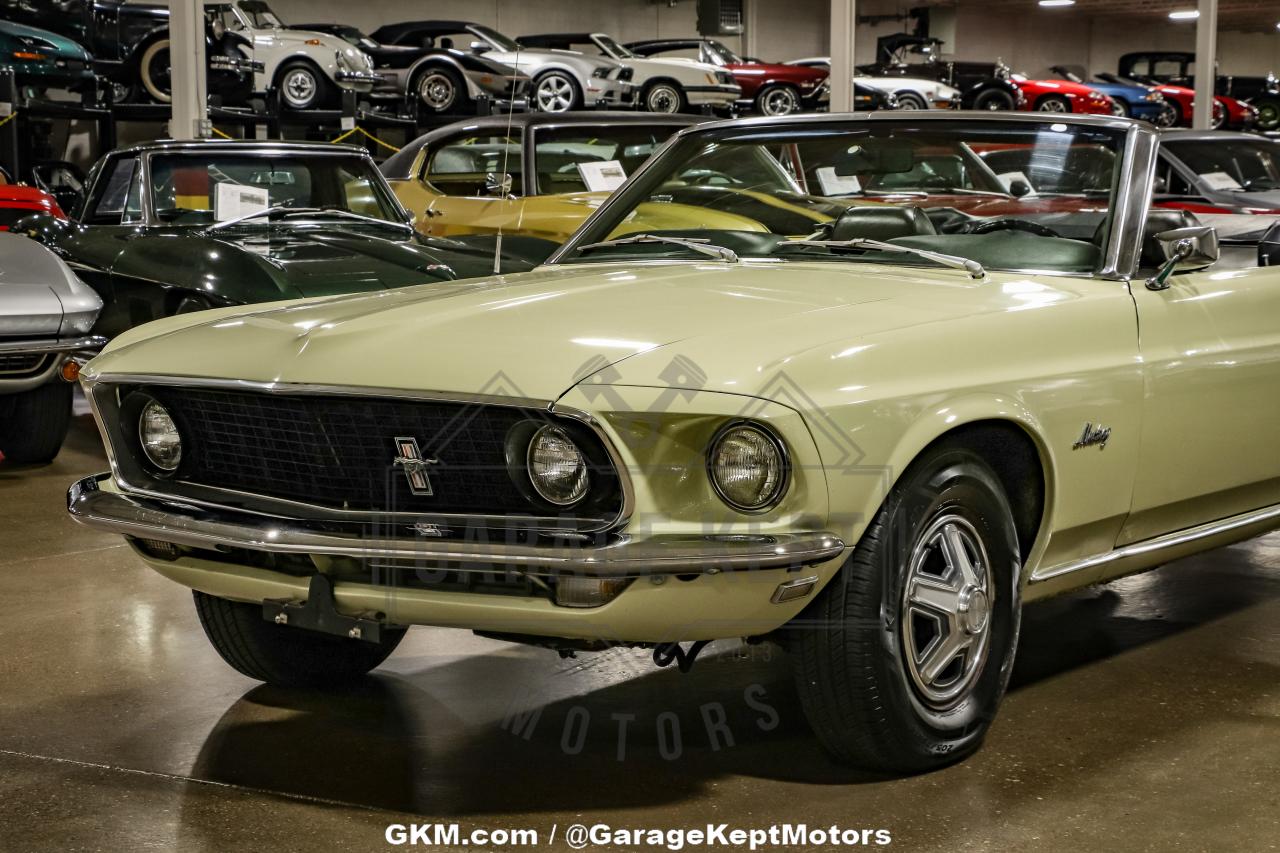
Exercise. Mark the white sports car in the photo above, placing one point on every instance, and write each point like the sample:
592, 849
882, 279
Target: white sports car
307, 68
665, 85
913, 93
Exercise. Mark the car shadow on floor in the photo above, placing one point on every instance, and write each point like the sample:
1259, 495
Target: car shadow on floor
509, 733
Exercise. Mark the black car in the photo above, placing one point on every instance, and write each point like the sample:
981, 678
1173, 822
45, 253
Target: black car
1178, 68
171, 227
437, 79
130, 46
982, 85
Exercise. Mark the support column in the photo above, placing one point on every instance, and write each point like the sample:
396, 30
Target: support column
1206, 64
190, 116
844, 19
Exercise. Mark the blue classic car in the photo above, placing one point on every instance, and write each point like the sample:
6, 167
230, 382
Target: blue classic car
1135, 101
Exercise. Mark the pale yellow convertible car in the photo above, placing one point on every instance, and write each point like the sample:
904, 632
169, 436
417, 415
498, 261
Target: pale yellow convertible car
873, 443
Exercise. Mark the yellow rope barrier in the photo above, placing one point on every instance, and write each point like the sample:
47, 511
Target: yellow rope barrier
366, 133
222, 134
10, 117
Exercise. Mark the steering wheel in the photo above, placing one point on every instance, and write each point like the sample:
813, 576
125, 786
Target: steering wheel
990, 225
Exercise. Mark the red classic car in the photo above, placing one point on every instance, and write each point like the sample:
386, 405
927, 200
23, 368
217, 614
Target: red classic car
1227, 112
768, 88
1062, 96
19, 200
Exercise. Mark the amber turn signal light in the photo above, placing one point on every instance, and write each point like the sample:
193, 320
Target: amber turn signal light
71, 370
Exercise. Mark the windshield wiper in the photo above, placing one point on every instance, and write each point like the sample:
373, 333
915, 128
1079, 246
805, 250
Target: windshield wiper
972, 267
258, 214
285, 212
697, 244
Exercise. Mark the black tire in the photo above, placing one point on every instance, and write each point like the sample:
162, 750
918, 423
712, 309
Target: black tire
1120, 107
1268, 113
33, 424
289, 657
854, 679
911, 101
439, 90
994, 99
302, 86
154, 72
1053, 104
664, 96
778, 99
555, 92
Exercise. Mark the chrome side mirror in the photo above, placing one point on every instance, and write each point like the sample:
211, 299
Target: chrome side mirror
498, 185
1185, 250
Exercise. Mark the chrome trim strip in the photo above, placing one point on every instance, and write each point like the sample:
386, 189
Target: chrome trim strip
91, 383
1160, 543
181, 524
88, 342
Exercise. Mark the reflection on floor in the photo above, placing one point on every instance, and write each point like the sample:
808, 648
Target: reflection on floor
1144, 715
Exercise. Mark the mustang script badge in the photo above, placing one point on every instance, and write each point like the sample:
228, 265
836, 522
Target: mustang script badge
1093, 435
415, 465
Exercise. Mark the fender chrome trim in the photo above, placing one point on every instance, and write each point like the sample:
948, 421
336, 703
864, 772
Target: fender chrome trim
620, 556
1152, 547
87, 343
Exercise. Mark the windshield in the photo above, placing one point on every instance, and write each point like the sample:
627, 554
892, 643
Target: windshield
593, 159
494, 37
613, 48
1010, 195
199, 189
259, 14
1231, 164
721, 54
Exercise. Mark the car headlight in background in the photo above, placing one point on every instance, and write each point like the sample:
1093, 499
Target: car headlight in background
747, 466
601, 73
158, 435
1154, 96
557, 467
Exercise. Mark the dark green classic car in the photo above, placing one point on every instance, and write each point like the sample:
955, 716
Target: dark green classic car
44, 60
172, 227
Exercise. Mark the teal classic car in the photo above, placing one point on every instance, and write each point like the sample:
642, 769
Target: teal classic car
43, 60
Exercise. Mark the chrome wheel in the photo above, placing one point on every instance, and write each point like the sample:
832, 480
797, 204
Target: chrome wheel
779, 101
663, 98
1268, 115
911, 101
437, 91
1118, 108
946, 611
555, 93
1053, 105
1168, 116
299, 88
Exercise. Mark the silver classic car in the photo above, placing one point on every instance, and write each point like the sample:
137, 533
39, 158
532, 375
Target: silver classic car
46, 313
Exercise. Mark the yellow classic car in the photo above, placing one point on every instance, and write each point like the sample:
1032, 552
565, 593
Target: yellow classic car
873, 443
471, 177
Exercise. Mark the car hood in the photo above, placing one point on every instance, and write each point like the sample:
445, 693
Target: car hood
1066, 87
537, 334
39, 294
61, 46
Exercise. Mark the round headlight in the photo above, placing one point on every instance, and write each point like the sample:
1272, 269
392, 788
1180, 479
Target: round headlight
159, 437
748, 467
557, 468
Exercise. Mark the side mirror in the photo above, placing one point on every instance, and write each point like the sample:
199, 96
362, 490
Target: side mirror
1160, 185
480, 47
1185, 250
498, 185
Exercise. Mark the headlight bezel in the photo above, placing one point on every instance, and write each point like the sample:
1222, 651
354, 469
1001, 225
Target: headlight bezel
156, 465
583, 467
773, 439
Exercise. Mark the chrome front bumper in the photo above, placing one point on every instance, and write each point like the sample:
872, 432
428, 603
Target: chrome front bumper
357, 79
624, 556
86, 343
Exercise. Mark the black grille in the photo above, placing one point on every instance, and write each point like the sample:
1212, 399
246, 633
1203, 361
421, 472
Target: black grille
626, 73
21, 363
338, 451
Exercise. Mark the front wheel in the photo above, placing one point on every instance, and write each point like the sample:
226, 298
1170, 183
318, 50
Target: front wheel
33, 424
154, 71
289, 657
994, 100
902, 660
663, 97
301, 86
911, 101
778, 100
1053, 104
440, 90
1168, 115
1268, 114
1119, 107
556, 92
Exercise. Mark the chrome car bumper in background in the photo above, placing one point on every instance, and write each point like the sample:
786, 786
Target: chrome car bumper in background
44, 369
85, 343
361, 81
180, 523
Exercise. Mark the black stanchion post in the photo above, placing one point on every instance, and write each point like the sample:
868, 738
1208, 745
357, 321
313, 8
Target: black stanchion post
10, 153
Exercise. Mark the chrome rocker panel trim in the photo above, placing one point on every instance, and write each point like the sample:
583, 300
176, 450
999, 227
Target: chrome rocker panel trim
624, 556
88, 343
1233, 528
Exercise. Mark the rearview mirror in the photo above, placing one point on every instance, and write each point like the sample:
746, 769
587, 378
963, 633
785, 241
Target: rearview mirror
880, 160
1160, 185
1018, 188
1185, 250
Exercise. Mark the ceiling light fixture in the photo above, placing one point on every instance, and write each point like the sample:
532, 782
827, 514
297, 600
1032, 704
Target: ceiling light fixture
1051, 3
1188, 15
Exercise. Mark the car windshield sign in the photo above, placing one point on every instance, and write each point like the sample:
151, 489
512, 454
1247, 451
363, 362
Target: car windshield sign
193, 189
1010, 195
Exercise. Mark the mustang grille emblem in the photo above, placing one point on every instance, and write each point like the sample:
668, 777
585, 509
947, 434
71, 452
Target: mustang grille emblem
1093, 435
415, 465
